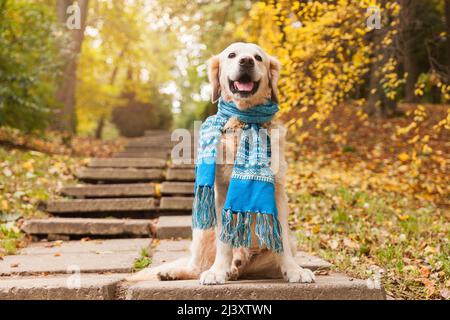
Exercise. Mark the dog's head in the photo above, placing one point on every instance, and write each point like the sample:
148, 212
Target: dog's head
245, 74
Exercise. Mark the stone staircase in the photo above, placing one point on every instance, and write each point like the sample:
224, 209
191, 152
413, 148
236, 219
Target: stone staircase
134, 202
120, 197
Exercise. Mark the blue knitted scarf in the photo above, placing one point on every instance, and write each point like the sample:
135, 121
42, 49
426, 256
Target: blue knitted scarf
251, 192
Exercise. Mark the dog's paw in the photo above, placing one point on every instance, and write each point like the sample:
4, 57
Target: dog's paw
299, 274
234, 274
211, 277
166, 276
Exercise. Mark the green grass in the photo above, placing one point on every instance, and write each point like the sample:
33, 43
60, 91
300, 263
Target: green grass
367, 232
143, 261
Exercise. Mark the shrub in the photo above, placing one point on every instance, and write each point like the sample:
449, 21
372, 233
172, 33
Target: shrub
30, 59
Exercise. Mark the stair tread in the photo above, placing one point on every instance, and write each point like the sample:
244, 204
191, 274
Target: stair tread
110, 190
89, 226
180, 174
120, 174
101, 205
333, 286
175, 187
127, 163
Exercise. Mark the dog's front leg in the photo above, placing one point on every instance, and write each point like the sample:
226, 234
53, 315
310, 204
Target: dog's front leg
290, 269
220, 270
200, 259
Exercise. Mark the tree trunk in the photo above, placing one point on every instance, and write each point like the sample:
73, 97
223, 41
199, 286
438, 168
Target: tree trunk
66, 118
447, 18
407, 29
377, 101
99, 129
102, 120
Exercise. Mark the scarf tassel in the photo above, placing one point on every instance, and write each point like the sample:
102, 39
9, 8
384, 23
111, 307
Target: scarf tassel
204, 209
239, 234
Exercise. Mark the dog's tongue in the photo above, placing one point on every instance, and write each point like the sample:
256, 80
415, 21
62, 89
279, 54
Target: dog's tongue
244, 86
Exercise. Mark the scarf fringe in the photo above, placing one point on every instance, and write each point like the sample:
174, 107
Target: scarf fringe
204, 208
239, 234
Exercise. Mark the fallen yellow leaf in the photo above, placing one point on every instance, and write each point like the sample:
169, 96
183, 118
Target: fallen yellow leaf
403, 157
28, 165
316, 228
5, 205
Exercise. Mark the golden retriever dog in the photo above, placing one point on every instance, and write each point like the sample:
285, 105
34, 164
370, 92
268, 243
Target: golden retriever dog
245, 74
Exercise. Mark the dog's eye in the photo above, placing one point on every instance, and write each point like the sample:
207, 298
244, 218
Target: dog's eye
258, 57
232, 55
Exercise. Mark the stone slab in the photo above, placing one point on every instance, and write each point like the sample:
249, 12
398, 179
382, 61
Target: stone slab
181, 175
120, 174
94, 256
126, 163
150, 155
147, 148
91, 287
83, 246
102, 261
157, 133
182, 166
110, 190
176, 203
168, 188
165, 245
89, 227
101, 205
174, 227
331, 287
169, 250
151, 142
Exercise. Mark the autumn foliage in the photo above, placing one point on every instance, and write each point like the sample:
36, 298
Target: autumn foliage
335, 63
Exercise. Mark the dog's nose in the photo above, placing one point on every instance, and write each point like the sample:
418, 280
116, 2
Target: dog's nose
247, 62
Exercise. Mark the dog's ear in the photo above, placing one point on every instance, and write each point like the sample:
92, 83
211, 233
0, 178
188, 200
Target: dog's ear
274, 75
213, 75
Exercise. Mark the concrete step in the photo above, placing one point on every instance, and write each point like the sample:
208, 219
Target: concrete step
126, 163
101, 205
176, 203
147, 148
120, 175
150, 142
182, 166
157, 133
180, 175
174, 227
150, 155
88, 227
110, 190
169, 250
94, 256
60, 287
177, 188
328, 287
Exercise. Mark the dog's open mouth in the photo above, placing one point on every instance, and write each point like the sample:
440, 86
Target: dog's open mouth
244, 86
